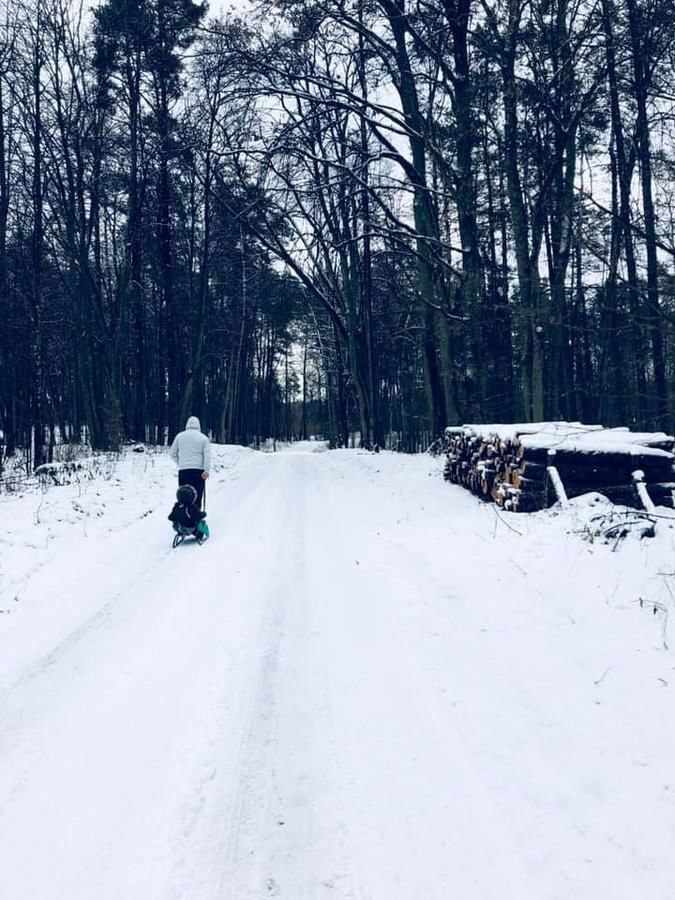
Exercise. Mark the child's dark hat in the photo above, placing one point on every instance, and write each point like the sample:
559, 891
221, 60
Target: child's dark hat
186, 494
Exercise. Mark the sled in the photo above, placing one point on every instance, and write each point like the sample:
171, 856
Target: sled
199, 534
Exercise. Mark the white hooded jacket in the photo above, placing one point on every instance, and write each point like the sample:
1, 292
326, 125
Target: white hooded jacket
191, 449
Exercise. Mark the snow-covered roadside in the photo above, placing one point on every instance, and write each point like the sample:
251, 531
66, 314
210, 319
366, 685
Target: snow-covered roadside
367, 684
548, 658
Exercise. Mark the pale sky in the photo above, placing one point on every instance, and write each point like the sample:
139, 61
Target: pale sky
217, 7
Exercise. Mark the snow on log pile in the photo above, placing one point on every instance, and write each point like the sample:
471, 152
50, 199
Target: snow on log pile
526, 467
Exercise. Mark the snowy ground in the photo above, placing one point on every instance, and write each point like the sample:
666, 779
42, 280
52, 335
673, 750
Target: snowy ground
365, 685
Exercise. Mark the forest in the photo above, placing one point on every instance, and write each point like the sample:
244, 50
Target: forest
356, 220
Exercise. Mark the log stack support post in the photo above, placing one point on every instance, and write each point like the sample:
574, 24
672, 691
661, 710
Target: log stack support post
557, 485
642, 492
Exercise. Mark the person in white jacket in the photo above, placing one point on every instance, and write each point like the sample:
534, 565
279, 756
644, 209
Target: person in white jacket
191, 451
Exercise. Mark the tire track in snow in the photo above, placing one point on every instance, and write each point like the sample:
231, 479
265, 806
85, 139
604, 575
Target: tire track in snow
424, 755
95, 621
254, 775
59, 652
42, 693
276, 839
235, 779
200, 842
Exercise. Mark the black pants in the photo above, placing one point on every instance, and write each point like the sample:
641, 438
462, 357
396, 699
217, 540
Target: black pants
193, 477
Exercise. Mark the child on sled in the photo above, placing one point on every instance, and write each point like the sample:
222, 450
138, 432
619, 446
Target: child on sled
187, 517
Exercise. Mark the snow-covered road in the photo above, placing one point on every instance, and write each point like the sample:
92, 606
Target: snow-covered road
364, 686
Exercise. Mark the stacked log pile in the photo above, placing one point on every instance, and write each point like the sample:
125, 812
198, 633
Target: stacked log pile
515, 465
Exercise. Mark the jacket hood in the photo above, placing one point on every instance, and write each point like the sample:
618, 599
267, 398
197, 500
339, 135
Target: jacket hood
186, 494
193, 422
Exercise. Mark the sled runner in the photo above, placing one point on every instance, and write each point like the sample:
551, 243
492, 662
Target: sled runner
200, 533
